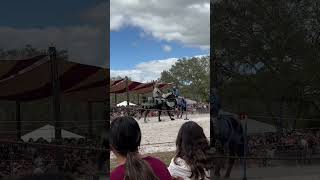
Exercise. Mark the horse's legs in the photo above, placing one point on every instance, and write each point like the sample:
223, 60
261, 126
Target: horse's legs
159, 114
141, 113
230, 163
169, 114
181, 113
145, 115
177, 112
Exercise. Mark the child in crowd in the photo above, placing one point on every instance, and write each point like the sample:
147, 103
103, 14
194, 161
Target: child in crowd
191, 161
125, 138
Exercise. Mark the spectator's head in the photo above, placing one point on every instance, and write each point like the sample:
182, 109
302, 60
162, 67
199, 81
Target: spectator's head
193, 146
125, 138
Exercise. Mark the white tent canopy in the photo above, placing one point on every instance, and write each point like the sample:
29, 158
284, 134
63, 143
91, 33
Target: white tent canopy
124, 103
190, 102
47, 132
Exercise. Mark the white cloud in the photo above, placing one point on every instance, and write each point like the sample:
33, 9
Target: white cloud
166, 48
185, 21
146, 71
84, 44
149, 70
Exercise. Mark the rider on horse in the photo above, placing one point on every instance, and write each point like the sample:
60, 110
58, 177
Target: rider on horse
157, 94
175, 91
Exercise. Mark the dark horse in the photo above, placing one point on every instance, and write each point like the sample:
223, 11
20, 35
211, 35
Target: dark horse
168, 104
229, 137
181, 107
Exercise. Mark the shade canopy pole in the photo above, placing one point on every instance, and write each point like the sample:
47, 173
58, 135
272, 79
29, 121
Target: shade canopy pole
56, 103
127, 91
18, 120
55, 91
90, 118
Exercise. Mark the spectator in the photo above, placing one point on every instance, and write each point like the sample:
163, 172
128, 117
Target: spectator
125, 138
190, 161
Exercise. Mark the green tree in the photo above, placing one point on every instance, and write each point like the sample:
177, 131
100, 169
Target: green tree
268, 51
191, 76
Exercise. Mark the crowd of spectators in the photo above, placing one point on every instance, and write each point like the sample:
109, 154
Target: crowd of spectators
285, 140
74, 156
199, 108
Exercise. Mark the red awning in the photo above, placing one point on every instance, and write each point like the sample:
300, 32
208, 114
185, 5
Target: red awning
119, 87
148, 87
30, 79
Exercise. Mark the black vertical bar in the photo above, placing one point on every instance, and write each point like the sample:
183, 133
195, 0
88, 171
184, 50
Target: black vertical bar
127, 91
56, 104
18, 120
280, 115
55, 91
245, 149
90, 119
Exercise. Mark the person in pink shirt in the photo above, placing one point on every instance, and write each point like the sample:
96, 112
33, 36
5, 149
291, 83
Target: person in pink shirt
125, 138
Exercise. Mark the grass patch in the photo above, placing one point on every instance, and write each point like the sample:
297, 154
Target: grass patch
164, 156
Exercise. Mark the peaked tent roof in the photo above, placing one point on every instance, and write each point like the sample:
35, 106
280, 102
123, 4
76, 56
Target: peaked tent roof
190, 102
47, 132
30, 79
124, 103
148, 87
119, 86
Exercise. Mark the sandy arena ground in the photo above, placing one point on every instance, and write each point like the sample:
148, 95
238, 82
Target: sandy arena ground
161, 136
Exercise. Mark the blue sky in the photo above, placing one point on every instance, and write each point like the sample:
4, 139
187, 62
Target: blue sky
147, 36
130, 46
78, 26
37, 13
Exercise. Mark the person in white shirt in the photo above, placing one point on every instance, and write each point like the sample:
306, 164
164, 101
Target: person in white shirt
191, 161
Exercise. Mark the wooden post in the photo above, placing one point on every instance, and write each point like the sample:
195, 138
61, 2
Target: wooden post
244, 118
280, 114
127, 91
128, 96
56, 104
90, 130
55, 91
245, 148
18, 120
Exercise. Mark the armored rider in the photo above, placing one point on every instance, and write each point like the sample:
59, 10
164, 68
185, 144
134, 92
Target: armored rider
157, 94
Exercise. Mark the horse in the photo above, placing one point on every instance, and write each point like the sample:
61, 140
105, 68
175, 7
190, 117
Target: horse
229, 136
181, 107
168, 104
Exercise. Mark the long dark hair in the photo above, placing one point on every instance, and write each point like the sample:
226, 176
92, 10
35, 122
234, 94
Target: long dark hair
192, 147
125, 138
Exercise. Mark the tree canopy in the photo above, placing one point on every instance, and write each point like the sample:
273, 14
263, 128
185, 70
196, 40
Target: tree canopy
267, 53
191, 76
